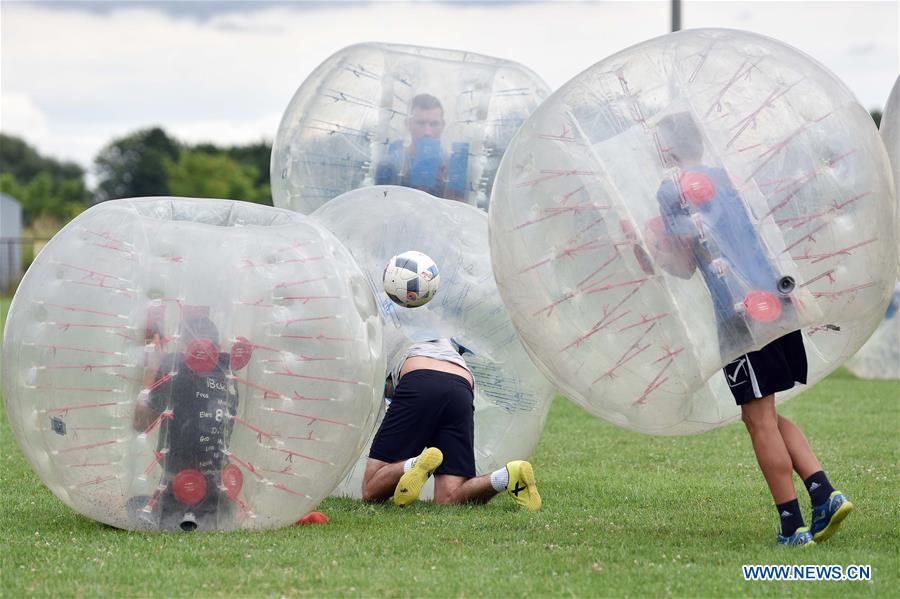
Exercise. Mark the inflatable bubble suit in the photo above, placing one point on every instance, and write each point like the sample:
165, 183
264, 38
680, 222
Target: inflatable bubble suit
371, 114
879, 358
890, 130
183, 364
511, 397
681, 203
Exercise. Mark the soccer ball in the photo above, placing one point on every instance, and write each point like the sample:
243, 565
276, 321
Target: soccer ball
411, 279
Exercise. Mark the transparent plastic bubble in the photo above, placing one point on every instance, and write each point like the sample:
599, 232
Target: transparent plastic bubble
371, 114
890, 130
172, 364
879, 358
681, 203
511, 397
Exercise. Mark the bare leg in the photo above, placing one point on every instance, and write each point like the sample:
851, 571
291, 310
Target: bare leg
771, 452
802, 456
380, 480
459, 489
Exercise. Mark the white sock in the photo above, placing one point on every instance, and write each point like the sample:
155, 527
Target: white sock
408, 465
500, 479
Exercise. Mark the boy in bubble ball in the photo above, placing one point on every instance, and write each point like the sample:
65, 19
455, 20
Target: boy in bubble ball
192, 401
705, 226
430, 429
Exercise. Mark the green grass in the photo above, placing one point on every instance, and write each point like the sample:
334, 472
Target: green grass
4, 308
624, 515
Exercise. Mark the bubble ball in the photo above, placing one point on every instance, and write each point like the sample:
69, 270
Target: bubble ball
683, 202
890, 131
411, 279
386, 114
879, 358
511, 397
186, 364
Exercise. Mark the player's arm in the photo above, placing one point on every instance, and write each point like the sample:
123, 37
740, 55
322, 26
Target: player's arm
672, 236
388, 169
233, 401
672, 253
144, 414
148, 406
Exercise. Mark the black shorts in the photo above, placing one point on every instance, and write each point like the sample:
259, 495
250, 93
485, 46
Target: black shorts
430, 409
776, 367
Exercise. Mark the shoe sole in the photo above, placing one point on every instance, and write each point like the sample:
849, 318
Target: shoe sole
835, 523
415, 479
526, 474
810, 543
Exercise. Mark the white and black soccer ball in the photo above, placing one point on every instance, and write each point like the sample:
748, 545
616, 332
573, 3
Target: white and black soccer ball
411, 279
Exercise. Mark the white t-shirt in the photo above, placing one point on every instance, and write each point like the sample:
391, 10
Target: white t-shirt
439, 349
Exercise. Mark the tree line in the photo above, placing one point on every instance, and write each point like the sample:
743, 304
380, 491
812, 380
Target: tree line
148, 162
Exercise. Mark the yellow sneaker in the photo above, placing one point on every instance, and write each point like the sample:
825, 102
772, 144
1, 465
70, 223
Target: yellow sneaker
522, 487
827, 518
411, 483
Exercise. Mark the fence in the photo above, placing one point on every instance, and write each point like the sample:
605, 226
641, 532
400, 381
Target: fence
16, 255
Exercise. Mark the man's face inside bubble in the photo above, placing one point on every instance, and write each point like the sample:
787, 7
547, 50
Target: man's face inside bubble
426, 123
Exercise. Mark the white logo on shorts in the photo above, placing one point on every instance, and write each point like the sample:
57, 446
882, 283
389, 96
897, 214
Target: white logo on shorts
732, 378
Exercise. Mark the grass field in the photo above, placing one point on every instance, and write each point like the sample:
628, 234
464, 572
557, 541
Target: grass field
624, 515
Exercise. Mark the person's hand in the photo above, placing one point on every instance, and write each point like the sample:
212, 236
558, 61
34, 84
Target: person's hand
640, 254
144, 415
152, 360
672, 254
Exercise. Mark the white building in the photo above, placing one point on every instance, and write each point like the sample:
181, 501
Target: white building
10, 240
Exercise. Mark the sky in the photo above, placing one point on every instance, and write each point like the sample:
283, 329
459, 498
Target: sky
75, 75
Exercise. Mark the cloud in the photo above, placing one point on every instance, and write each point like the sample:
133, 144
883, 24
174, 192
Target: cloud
181, 9
865, 48
226, 131
225, 72
21, 116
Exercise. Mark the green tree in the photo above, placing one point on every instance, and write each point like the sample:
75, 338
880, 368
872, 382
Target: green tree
42, 185
42, 197
201, 174
135, 165
25, 163
256, 156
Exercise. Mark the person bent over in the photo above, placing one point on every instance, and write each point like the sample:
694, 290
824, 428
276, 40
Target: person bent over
429, 430
705, 226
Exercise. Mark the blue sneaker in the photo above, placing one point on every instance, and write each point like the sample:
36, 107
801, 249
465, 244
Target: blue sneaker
801, 536
827, 518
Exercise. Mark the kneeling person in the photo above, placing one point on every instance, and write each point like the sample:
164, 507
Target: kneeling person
430, 429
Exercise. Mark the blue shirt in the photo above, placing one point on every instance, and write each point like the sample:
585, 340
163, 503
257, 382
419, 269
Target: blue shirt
428, 170
728, 250
422, 172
